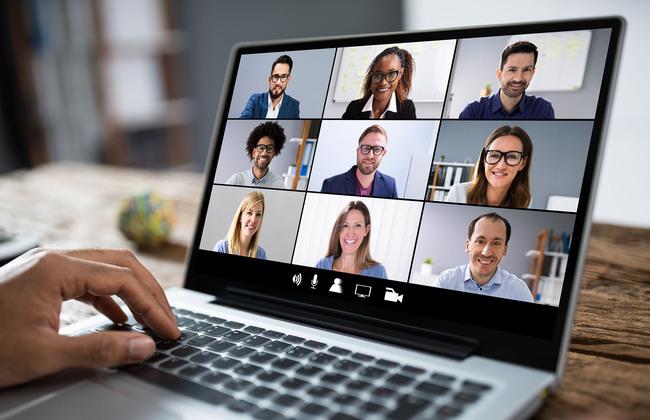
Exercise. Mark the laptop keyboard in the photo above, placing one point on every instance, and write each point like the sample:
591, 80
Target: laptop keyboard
268, 374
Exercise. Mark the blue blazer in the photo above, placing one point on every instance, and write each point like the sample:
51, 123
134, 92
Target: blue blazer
258, 105
346, 183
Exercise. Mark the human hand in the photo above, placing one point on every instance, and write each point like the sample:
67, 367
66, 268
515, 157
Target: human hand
32, 289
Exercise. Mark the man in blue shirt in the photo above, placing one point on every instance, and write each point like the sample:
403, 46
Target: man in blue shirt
517, 68
363, 178
487, 243
275, 103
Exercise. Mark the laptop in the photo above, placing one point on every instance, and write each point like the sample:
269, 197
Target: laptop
421, 264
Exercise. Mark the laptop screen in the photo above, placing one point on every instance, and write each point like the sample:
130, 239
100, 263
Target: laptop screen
431, 179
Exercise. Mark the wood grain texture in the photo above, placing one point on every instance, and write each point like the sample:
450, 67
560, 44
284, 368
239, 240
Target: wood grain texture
608, 366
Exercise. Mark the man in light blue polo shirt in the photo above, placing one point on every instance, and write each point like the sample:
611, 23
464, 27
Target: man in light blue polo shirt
487, 243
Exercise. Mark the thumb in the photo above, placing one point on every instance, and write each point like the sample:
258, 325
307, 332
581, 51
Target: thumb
105, 349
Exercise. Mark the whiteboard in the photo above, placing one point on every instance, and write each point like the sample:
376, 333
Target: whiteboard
432, 66
561, 62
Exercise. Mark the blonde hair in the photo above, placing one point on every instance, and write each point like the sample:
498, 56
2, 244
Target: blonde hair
234, 243
363, 258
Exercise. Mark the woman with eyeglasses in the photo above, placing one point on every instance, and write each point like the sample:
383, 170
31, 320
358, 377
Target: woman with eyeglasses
502, 175
349, 246
244, 233
385, 88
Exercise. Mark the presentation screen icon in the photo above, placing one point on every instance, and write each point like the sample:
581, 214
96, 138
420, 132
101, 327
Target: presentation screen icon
392, 296
362, 291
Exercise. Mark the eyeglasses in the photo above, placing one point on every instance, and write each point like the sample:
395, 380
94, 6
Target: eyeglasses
281, 77
262, 147
390, 77
376, 150
513, 157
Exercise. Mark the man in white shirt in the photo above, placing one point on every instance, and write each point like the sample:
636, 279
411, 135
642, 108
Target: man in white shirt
487, 243
263, 144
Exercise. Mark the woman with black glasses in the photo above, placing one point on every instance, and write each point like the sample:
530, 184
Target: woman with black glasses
385, 88
502, 174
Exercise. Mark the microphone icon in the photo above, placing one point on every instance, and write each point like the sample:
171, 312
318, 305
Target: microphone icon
314, 281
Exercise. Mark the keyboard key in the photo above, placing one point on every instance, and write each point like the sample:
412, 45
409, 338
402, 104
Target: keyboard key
357, 386
193, 370
173, 364
343, 416
346, 400
314, 344
386, 363
199, 326
262, 357
248, 370
372, 372
185, 351
320, 391
233, 324
237, 385
200, 340
362, 357
167, 345
448, 411
253, 330
309, 371
184, 312
184, 322
272, 334
276, 346
235, 336
256, 341
221, 346
241, 351
313, 409
204, 357
215, 378
408, 407
157, 357
399, 380
270, 376
241, 406
441, 377
285, 364
225, 363
339, 351
322, 359
412, 370
293, 339
432, 389
475, 386
200, 316
299, 352
372, 407
287, 401
346, 365
216, 331
333, 378
261, 392
215, 320
294, 384
268, 414
466, 397
382, 392
185, 335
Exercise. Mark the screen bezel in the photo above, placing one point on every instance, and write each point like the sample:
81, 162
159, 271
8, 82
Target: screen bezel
215, 273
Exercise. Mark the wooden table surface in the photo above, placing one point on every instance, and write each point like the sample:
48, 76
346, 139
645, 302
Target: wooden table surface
608, 369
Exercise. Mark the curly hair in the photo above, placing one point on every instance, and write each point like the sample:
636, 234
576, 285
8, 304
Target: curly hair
405, 82
266, 129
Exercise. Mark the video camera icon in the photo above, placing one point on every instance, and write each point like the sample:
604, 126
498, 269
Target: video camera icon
392, 296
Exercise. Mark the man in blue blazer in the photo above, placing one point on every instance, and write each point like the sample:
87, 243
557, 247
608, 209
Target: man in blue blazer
363, 178
275, 103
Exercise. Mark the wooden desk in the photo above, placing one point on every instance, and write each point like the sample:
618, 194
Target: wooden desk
608, 369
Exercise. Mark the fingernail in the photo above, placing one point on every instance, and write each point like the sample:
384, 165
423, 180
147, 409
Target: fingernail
141, 348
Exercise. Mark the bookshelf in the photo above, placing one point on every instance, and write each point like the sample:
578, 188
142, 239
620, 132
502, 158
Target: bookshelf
547, 267
296, 178
446, 174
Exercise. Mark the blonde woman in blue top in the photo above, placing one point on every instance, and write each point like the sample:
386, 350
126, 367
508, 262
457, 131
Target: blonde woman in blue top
349, 246
244, 233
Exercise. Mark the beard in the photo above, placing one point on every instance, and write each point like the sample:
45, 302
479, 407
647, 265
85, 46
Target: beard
514, 90
259, 164
367, 168
276, 93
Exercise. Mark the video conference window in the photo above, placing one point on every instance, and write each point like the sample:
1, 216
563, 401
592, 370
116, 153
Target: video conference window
518, 164
404, 81
389, 159
267, 154
360, 235
256, 223
283, 85
493, 252
535, 76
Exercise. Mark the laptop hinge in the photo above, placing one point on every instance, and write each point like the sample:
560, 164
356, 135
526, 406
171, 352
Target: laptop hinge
443, 344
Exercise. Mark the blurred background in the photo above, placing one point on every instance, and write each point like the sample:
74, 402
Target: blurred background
137, 83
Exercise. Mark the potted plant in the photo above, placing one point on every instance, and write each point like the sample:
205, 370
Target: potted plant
427, 266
